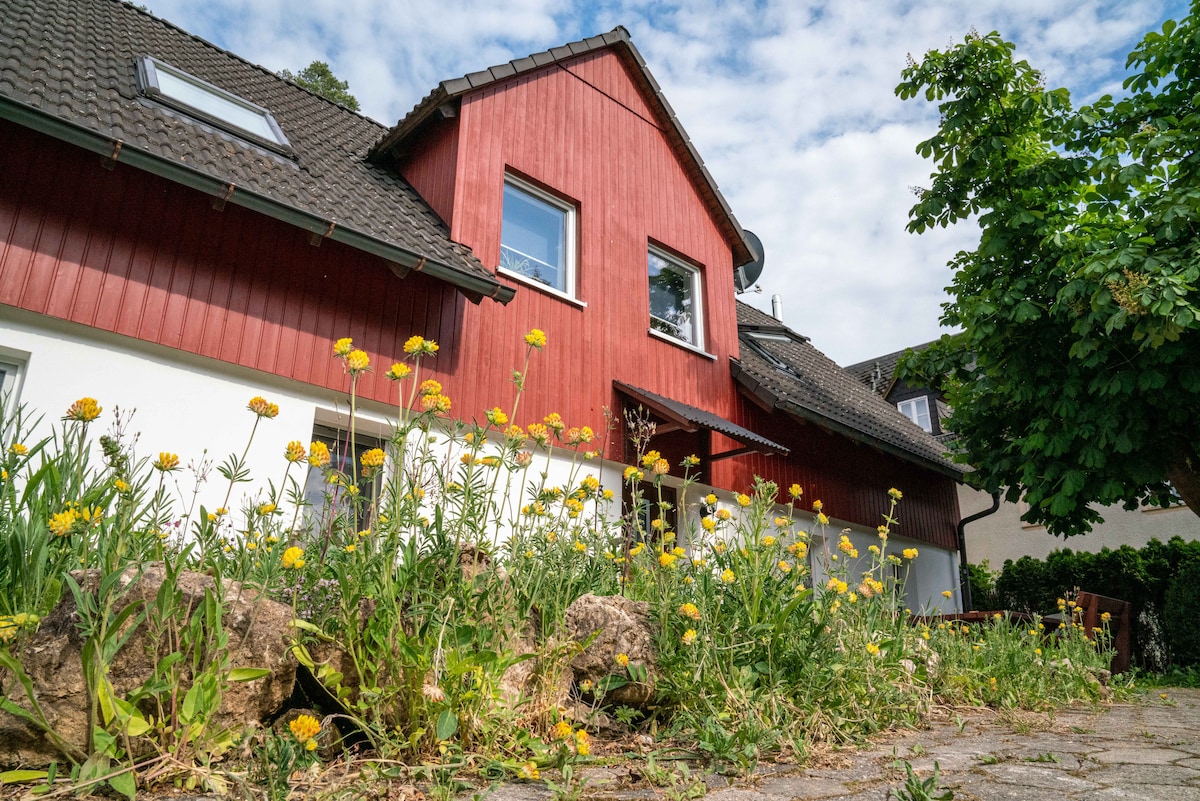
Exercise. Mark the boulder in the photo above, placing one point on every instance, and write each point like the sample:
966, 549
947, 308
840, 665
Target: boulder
620, 626
259, 637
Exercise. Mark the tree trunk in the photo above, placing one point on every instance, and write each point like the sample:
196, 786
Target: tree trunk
1184, 475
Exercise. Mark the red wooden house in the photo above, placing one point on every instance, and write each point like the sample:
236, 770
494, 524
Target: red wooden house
180, 230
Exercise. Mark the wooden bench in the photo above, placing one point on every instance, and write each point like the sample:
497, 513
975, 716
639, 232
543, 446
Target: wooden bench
1094, 606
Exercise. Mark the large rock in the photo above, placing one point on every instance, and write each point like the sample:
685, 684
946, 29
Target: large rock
259, 637
620, 626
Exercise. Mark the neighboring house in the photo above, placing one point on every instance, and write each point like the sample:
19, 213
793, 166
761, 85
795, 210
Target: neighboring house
1002, 535
181, 230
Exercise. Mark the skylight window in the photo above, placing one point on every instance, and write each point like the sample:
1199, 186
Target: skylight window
209, 103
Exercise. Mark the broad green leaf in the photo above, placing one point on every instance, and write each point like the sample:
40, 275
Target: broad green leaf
22, 776
248, 674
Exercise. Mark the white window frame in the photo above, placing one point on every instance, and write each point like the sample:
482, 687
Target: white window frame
13, 364
211, 104
911, 409
567, 269
659, 326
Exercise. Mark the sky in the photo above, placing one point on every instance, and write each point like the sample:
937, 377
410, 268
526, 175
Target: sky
790, 103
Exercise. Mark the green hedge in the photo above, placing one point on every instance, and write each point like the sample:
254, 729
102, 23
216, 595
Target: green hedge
1161, 580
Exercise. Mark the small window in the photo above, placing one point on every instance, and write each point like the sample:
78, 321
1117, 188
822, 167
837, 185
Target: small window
317, 490
209, 103
917, 410
675, 295
537, 237
10, 381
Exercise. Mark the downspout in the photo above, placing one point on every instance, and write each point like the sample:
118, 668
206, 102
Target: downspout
964, 570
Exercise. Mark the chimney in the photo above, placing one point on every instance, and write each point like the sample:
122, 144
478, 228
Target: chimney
777, 307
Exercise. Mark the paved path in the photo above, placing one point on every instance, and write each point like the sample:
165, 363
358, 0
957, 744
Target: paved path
1134, 752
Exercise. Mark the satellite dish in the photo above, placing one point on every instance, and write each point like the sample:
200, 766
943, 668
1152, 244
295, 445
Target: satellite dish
745, 276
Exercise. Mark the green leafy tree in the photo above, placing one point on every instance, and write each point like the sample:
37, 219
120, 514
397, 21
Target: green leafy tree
1076, 378
317, 77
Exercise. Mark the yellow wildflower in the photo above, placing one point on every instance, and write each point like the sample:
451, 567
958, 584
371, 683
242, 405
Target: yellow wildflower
536, 338
818, 506
373, 458
667, 560
554, 421
343, 346
263, 408
895, 494
743, 500
496, 416
708, 524
690, 461
318, 454
688, 637
398, 371
419, 346
60, 524
689, 610
622, 660
728, 576
18, 449
529, 772
539, 433
266, 508
822, 519
430, 387
795, 491
583, 743
121, 485
84, 410
872, 649
784, 567
1105, 617
661, 467
305, 728
294, 451
435, 403
947, 594
293, 558
166, 462
909, 553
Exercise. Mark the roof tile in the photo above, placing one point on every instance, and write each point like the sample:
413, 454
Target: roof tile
802, 378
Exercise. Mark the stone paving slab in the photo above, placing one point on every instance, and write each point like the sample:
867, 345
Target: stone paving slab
1147, 751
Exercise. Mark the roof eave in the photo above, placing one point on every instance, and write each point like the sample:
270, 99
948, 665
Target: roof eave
762, 395
475, 288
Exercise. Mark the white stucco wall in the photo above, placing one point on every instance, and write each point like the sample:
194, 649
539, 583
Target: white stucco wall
1003, 535
195, 407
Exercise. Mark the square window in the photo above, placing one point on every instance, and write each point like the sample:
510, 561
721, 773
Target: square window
537, 237
917, 410
675, 295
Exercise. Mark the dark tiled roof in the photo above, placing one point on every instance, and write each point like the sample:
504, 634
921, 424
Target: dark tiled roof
698, 418
792, 375
618, 40
879, 373
68, 67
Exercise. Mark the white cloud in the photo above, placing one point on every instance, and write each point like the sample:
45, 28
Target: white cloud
790, 104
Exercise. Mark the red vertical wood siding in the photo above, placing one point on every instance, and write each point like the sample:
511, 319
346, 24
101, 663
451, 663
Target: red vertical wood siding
587, 133
851, 479
126, 252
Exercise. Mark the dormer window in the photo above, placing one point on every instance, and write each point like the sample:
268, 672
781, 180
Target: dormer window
917, 410
537, 237
207, 103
